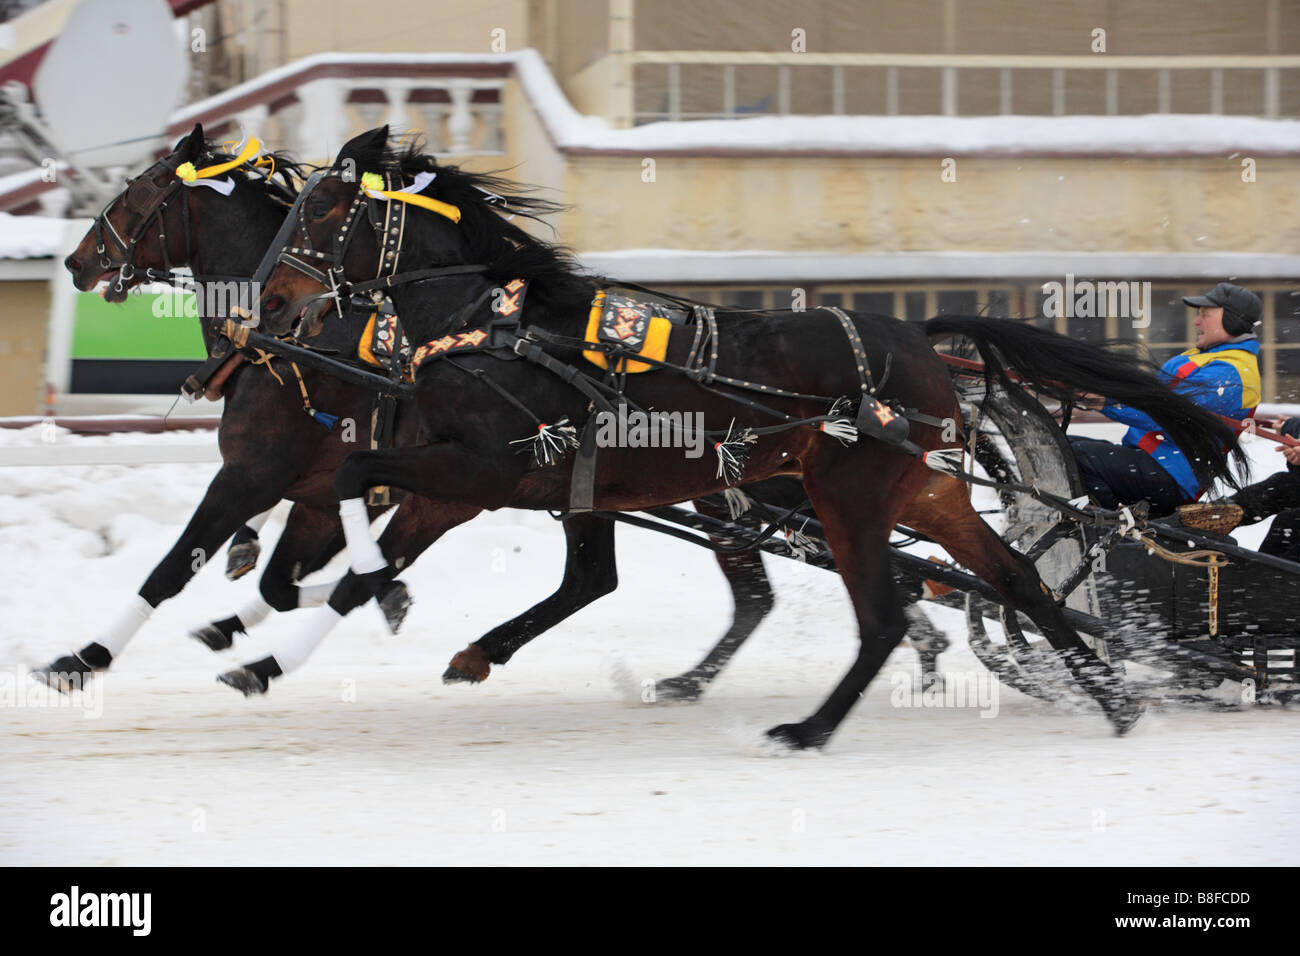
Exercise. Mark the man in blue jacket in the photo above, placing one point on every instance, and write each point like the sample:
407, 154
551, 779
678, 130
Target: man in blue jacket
1221, 374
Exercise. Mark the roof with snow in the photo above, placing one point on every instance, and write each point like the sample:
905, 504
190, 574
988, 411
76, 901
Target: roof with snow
37, 237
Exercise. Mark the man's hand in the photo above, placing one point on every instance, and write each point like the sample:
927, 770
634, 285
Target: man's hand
1292, 454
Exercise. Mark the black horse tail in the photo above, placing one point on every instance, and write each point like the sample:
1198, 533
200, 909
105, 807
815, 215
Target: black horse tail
1065, 369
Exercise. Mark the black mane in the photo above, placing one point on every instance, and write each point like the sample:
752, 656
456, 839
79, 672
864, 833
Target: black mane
287, 175
487, 202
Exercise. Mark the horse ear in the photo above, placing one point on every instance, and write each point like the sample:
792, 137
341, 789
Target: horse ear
190, 146
364, 144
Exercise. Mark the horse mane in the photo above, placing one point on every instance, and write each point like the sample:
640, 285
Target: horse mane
287, 174
487, 202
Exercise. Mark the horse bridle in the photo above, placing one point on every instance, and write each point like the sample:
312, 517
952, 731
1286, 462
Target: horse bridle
149, 203
144, 198
387, 218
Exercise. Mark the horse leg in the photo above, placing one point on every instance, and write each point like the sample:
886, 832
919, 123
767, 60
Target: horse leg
418, 523
752, 600
857, 497
312, 536
945, 514
235, 494
928, 642
590, 572
245, 548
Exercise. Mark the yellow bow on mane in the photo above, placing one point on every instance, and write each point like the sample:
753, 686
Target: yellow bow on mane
187, 172
373, 183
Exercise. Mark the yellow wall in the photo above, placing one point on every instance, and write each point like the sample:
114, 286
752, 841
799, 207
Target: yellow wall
24, 311
406, 26
873, 204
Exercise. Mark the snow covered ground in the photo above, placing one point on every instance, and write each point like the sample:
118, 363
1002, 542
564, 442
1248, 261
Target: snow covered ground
365, 757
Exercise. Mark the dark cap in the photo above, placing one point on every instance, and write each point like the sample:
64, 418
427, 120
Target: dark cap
1241, 307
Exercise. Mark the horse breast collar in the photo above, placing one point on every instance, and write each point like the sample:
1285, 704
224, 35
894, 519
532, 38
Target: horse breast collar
498, 335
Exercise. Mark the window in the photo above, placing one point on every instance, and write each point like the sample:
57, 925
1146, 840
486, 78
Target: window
1286, 318
957, 302
881, 303
914, 306
742, 298
999, 303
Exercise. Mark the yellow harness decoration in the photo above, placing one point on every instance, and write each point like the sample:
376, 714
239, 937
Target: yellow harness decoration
187, 172
640, 328
382, 340
373, 184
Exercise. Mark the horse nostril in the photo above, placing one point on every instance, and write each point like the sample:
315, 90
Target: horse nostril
72, 264
274, 304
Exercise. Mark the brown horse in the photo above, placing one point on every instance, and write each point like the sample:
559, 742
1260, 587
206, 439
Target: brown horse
158, 224
476, 406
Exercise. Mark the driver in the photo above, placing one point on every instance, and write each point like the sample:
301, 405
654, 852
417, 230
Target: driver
1220, 374
1278, 494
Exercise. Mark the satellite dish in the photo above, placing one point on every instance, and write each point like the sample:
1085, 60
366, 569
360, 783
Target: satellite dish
113, 76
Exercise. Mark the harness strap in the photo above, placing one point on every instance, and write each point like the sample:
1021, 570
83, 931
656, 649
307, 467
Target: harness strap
567, 373
197, 380
415, 275
382, 418
859, 353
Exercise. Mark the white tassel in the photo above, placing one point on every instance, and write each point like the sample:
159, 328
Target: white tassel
551, 441
800, 545
841, 429
946, 460
733, 453
737, 502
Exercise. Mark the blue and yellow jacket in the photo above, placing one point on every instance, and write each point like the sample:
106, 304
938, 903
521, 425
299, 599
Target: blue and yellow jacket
1224, 379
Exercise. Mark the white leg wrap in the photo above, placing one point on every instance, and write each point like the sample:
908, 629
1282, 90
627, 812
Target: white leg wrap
293, 652
254, 612
123, 629
314, 595
257, 521
365, 554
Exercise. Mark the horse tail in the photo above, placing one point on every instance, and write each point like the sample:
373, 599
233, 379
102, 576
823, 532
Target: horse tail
1065, 369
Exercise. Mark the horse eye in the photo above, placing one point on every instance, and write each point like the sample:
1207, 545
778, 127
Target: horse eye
319, 210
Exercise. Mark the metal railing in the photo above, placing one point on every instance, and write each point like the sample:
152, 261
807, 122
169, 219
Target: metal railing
950, 69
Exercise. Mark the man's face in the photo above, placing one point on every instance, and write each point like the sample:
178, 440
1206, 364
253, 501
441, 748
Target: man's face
1209, 327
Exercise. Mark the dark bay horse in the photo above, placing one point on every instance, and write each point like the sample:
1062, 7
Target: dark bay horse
474, 408
224, 236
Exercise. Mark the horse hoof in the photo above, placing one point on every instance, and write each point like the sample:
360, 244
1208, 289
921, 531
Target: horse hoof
470, 666
244, 681
799, 736
1124, 717
685, 690
67, 674
252, 678
213, 637
241, 557
394, 600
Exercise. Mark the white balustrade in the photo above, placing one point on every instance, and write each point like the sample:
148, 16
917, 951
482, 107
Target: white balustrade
456, 115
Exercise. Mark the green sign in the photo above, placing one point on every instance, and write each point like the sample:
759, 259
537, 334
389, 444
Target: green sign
143, 327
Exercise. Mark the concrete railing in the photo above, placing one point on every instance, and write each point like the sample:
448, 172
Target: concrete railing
312, 106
